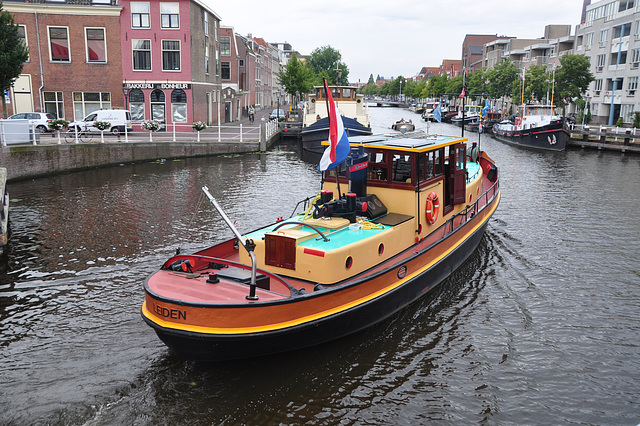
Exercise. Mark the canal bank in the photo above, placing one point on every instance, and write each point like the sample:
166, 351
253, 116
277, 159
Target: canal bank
51, 156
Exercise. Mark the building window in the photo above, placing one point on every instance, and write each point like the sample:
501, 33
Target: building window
170, 55
604, 36
141, 54
84, 103
600, 61
635, 56
626, 112
241, 62
625, 5
598, 85
206, 59
225, 46
215, 29
206, 24
59, 44
633, 83
136, 105
179, 106
22, 34
96, 48
614, 58
139, 14
158, 106
53, 103
225, 70
170, 15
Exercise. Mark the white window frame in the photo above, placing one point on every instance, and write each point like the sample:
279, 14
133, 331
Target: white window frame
223, 40
163, 50
166, 9
147, 13
68, 44
133, 50
206, 24
104, 42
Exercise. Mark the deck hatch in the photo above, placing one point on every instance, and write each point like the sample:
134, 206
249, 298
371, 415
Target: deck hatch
280, 251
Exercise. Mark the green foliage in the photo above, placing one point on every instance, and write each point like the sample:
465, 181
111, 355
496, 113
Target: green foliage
324, 61
502, 79
572, 78
620, 122
636, 119
436, 86
371, 80
102, 125
58, 124
296, 78
13, 53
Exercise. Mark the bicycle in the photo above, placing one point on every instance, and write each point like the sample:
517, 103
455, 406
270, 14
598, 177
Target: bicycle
81, 134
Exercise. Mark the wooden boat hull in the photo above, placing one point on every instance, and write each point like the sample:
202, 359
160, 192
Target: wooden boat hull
552, 137
320, 316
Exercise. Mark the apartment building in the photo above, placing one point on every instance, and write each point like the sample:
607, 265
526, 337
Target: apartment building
610, 37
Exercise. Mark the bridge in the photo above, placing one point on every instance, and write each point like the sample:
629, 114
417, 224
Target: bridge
388, 103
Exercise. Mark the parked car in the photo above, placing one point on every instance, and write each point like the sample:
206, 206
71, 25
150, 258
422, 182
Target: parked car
119, 118
39, 119
276, 113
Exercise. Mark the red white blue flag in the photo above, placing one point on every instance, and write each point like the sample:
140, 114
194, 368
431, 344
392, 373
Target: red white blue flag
339, 147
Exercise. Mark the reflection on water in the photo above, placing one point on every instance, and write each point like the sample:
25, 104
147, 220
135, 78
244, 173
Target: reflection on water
539, 326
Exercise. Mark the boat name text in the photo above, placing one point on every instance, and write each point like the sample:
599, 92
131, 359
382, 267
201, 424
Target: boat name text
170, 313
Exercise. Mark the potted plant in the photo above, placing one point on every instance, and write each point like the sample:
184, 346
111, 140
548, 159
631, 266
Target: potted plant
198, 126
56, 126
151, 126
102, 126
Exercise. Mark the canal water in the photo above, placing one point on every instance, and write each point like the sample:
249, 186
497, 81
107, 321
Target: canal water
539, 326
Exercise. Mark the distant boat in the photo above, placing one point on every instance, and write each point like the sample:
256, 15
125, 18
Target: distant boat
471, 114
315, 122
401, 124
534, 126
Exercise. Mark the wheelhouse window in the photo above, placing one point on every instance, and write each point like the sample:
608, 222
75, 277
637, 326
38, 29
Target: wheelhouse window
170, 55
170, 15
136, 104
401, 167
378, 166
139, 14
96, 49
179, 106
430, 165
59, 44
141, 55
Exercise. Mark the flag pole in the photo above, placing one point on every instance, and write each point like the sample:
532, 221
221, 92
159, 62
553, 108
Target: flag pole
326, 97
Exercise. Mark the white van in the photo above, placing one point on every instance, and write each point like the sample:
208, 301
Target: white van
119, 118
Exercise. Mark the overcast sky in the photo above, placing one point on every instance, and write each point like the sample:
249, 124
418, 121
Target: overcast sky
392, 38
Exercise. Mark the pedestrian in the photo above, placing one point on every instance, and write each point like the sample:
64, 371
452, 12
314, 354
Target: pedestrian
252, 112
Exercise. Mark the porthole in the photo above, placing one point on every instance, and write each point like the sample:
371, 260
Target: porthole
381, 249
348, 263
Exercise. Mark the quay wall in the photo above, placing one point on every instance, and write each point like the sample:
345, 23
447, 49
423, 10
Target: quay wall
29, 161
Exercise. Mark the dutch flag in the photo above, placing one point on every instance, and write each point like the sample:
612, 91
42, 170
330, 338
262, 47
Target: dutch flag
338, 148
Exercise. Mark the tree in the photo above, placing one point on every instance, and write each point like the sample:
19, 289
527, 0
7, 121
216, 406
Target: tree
296, 78
502, 79
13, 54
371, 80
572, 78
324, 61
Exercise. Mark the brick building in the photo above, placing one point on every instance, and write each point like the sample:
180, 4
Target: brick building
74, 64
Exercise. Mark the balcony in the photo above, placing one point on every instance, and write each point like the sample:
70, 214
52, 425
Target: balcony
620, 44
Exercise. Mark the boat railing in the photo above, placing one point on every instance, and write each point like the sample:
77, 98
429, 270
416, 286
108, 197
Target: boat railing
469, 212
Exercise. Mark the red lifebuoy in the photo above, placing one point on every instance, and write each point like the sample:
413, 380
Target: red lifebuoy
433, 208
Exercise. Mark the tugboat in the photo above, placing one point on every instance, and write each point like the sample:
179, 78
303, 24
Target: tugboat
315, 122
534, 126
394, 217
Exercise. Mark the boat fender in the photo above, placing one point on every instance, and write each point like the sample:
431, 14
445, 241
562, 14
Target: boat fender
433, 208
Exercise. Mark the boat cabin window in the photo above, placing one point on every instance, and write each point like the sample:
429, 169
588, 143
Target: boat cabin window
346, 93
377, 166
431, 165
401, 165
